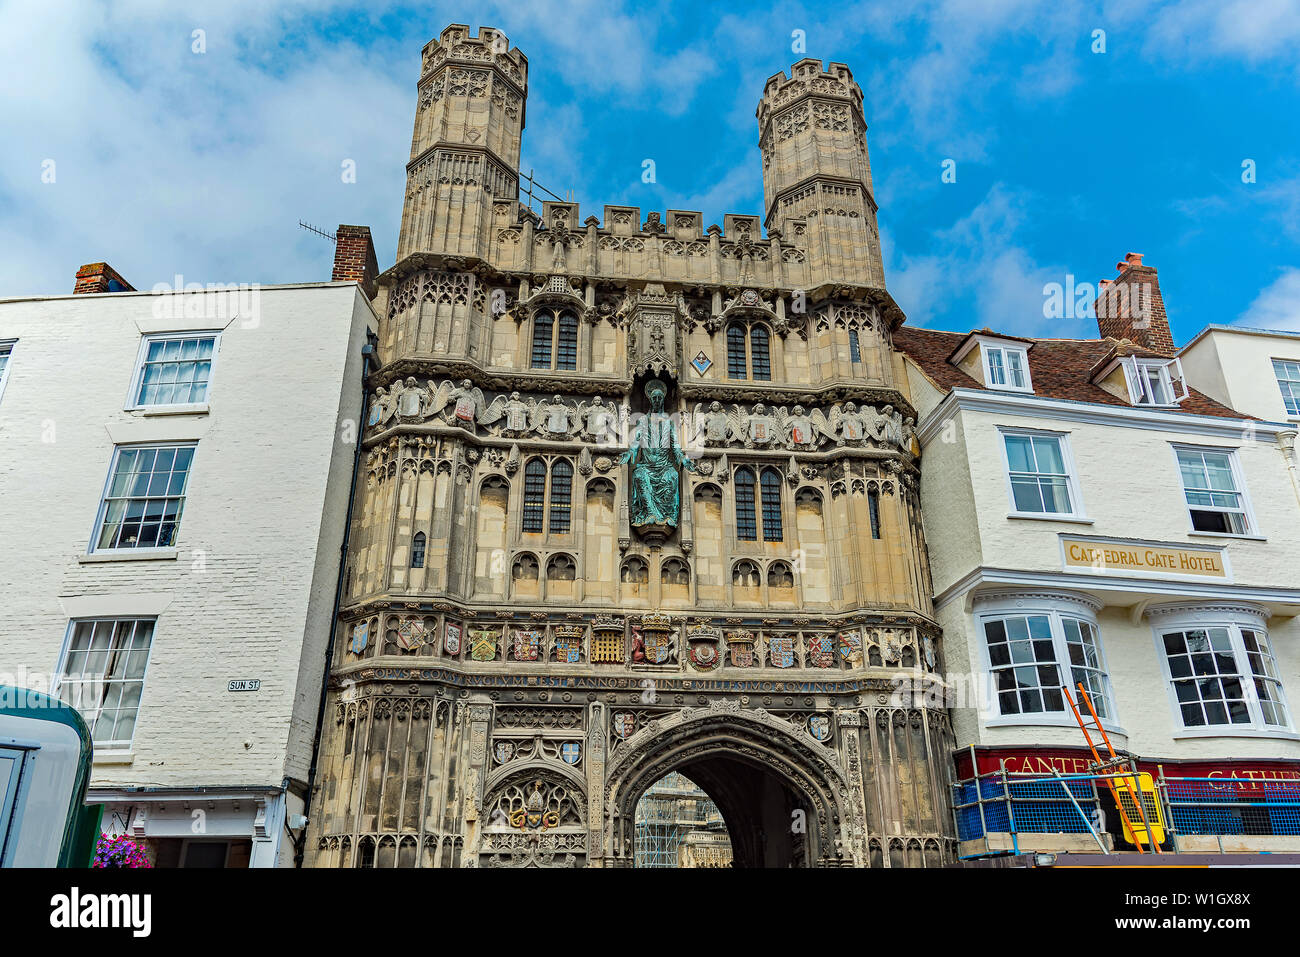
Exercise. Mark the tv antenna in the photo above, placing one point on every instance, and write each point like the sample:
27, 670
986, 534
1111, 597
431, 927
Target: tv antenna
319, 232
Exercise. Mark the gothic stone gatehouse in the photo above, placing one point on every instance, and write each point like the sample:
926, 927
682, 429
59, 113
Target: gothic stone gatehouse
636, 496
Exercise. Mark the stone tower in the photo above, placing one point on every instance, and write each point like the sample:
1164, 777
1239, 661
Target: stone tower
637, 496
816, 172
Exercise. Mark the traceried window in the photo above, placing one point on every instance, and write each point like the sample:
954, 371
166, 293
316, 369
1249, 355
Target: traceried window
554, 510
543, 332
555, 341
142, 505
1032, 656
174, 370
566, 345
561, 497
737, 353
746, 521
771, 481
1040, 479
534, 495
1006, 367
748, 352
760, 357
1224, 675
102, 676
1215, 499
1288, 380
751, 490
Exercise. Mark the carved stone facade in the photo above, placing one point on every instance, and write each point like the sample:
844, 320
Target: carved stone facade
523, 647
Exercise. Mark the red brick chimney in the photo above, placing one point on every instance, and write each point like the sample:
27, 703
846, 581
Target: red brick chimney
354, 258
100, 277
1131, 307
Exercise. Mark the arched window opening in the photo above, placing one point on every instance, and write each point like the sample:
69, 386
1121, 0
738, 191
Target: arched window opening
534, 495
745, 575
746, 523
771, 505
855, 349
779, 575
566, 348
737, 358
676, 572
543, 329
561, 497
635, 572
561, 568
873, 507
762, 363
417, 550
555, 341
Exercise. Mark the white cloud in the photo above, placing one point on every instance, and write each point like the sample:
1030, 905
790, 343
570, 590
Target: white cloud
1254, 30
978, 260
1278, 304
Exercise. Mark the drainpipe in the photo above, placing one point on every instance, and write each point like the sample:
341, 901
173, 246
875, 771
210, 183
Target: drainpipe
367, 356
1286, 444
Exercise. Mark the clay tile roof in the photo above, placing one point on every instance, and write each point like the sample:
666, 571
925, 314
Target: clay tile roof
1059, 368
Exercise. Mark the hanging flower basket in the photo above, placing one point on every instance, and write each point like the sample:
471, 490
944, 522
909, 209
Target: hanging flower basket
119, 851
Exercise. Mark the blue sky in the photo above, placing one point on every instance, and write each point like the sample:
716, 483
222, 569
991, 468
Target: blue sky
168, 161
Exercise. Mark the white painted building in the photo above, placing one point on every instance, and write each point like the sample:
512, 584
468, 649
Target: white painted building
1256, 371
175, 478
1092, 517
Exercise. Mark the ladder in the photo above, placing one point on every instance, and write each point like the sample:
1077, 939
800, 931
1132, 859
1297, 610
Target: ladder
1128, 792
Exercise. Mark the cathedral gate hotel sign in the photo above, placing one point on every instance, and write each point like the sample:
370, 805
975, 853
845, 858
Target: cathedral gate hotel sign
1126, 557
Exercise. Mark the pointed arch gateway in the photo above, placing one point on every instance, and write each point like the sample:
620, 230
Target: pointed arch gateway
782, 794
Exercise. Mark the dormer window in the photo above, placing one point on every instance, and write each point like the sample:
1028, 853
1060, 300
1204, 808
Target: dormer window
1154, 382
1006, 367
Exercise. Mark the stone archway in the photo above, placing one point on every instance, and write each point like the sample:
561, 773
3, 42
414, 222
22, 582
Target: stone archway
781, 792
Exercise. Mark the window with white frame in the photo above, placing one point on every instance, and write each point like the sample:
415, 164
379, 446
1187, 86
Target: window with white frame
1033, 654
1154, 381
1214, 491
1288, 380
174, 369
1222, 674
144, 497
6, 350
1038, 469
102, 675
1006, 367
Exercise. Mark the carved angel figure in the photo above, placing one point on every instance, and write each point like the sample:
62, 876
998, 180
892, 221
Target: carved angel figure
762, 427
513, 412
851, 424
382, 407
806, 429
599, 421
409, 399
715, 425
464, 400
555, 417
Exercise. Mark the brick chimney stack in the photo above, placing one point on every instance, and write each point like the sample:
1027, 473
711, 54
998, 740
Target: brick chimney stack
100, 277
1131, 307
354, 258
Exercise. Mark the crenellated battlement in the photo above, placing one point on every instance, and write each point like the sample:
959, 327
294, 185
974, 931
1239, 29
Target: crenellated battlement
807, 77
817, 228
457, 45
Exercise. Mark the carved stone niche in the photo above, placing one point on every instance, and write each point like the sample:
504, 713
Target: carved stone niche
653, 342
